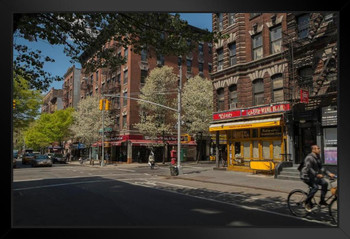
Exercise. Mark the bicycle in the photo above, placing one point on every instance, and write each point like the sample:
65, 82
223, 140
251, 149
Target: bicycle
296, 202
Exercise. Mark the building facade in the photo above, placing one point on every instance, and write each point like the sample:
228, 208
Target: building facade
124, 141
256, 91
52, 101
71, 87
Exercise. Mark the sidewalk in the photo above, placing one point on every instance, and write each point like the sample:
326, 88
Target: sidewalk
220, 177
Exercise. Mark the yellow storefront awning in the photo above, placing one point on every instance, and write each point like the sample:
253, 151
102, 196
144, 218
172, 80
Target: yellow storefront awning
246, 124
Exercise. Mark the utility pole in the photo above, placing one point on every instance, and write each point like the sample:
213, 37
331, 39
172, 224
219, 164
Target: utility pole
179, 117
103, 132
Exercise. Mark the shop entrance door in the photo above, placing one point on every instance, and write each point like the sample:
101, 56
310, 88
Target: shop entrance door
307, 139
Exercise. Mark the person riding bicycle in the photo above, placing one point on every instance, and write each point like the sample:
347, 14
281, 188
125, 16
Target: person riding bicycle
312, 173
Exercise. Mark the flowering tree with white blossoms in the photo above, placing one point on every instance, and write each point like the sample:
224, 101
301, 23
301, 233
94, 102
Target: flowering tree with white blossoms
87, 121
197, 104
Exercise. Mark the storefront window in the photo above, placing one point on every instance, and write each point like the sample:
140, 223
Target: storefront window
246, 148
255, 149
277, 149
266, 149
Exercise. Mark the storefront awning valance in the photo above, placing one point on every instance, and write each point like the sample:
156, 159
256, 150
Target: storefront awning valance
246, 124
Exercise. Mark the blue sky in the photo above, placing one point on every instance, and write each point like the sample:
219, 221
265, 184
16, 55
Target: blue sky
62, 62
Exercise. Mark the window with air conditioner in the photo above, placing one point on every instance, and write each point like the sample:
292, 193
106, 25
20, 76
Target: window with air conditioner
276, 39
220, 21
231, 18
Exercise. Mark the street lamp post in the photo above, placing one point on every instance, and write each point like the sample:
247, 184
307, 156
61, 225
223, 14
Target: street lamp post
103, 134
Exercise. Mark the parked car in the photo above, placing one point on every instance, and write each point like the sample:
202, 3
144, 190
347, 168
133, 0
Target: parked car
27, 158
58, 158
50, 155
41, 160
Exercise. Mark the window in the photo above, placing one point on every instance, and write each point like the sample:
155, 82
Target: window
125, 77
126, 53
305, 77
255, 149
220, 53
200, 48
231, 18
124, 121
143, 76
233, 58
179, 61
303, 22
246, 149
221, 99
210, 48
258, 92
257, 47
160, 60
96, 76
266, 149
277, 88
276, 39
200, 67
233, 99
277, 149
125, 100
118, 122
219, 21
144, 55
189, 66
210, 67
118, 78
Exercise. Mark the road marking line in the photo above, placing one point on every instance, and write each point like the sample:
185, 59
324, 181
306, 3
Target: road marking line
60, 184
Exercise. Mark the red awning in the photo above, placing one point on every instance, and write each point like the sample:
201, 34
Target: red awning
117, 143
144, 142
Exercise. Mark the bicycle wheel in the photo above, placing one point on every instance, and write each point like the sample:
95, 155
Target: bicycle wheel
296, 199
333, 210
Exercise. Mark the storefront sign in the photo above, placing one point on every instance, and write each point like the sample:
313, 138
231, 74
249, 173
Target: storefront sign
240, 134
304, 96
330, 155
271, 132
265, 110
252, 111
329, 116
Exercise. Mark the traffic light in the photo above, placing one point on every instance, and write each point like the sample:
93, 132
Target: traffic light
14, 104
107, 105
101, 104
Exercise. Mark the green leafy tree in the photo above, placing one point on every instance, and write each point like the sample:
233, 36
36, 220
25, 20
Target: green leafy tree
87, 121
197, 104
49, 128
27, 105
84, 37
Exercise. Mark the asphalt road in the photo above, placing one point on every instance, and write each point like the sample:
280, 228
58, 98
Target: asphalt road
122, 196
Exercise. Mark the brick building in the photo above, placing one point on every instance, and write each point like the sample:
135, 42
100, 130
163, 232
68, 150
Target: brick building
71, 87
127, 80
255, 86
52, 101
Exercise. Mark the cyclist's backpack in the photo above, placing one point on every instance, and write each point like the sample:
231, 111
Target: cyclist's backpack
301, 165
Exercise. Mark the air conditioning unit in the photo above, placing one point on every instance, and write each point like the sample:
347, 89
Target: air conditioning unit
159, 63
233, 105
220, 67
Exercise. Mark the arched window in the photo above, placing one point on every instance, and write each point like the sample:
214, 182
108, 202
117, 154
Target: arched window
258, 92
277, 88
220, 99
233, 97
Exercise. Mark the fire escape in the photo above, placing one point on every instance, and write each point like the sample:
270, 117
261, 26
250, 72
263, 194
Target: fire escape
320, 46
